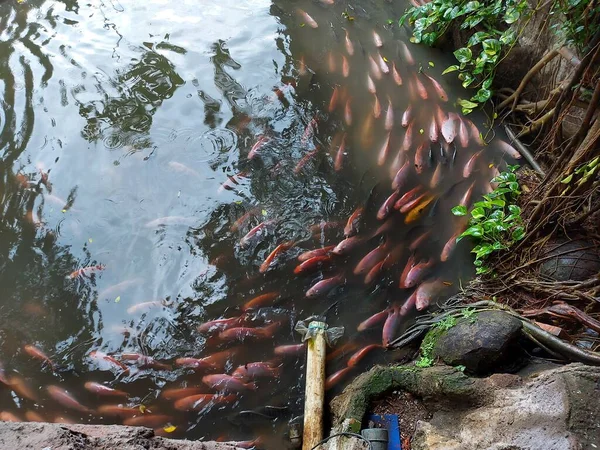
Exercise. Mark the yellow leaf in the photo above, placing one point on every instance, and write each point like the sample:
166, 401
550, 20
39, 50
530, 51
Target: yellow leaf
170, 428
491, 165
431, 64
385, 59
142, 409
421, 131
118, 299
447, 283
64, 210
264, 212
90, 240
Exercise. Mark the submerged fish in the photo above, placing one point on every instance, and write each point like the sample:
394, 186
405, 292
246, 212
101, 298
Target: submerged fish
270, 259
223, 382
257, 233
65, 399
105, 391
348, 44
37, 353
308, 20
326, 285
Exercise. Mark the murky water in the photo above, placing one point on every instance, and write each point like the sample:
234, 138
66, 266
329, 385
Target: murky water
126, 131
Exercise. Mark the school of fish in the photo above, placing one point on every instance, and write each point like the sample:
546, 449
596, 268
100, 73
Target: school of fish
428, 158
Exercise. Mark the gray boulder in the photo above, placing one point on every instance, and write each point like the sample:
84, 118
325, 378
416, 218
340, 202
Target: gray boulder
481, 343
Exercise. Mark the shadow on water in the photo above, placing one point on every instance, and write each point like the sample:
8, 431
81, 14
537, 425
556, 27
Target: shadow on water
141, 143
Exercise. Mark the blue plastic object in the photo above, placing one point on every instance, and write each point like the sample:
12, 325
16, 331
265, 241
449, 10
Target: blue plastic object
389, 421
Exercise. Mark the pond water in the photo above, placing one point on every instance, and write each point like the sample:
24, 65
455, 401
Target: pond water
142, 141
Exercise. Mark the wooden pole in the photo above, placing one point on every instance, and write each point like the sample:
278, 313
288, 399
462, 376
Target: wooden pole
315, 386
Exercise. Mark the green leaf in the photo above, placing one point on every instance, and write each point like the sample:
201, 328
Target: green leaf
514, 209
487, 83
450, 69
508, 37
478, 213
482, 95
467, 104
475, 231
511, 15
459, 210
463, 55
491, 46
471, 6
567, 180
518, 233
467, 80
477, 38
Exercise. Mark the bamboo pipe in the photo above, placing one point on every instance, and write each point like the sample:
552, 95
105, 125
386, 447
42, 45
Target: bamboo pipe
315, 386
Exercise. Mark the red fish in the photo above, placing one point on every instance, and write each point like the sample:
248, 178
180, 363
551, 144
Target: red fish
388, 205
382, 64
407, 197
339, 156
474, 132
148, 420
436, 178
257, 232
466, 198
105, 391
426, 292
352, 225
334, 99
451, 245
433, 131
6, 416
66, 399
251, 371
390, 326
409, 304
243, 333
347, 245
324, 286
449, 128
227, 185
389, 116
334, 379
270, 260
394, 256
374, 272
85, 272
243, 219
309, 131
407, 141
345, 67
177, 393
421, 88
377, 39
103, 357
463, 134
375, 319
384, 151
118, 410
313, 264
366, 132
401, 176
371, 85
308, 20
318, 252
421, 157
221, 324
288, 350
370, 259
144, 362
260, 300
348, 44
32, 416
396, 75
223, 382
376, 108
438, 88
21, 387
406, 54
348, 113
341, 351
374, 69
468, 169
407, 116
37, 353
416, 273
200, 401
262, 140
508, 149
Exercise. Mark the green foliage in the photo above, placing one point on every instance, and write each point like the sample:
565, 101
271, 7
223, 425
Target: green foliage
495, 222
581, 175
468, 313
494, 35
460, 368
446, 323
424, 361
580, 20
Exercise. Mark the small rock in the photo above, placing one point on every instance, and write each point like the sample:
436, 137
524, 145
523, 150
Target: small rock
480, 343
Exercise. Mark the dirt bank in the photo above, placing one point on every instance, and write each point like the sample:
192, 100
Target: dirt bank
50, 436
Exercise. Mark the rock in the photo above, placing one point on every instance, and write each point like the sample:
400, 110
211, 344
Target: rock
552, 409
575, 260
480, 343
555, 410
38, 436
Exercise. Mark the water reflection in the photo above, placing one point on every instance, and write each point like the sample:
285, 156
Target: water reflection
115, 264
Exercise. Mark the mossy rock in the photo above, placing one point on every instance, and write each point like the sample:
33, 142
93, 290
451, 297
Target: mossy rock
481, 343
